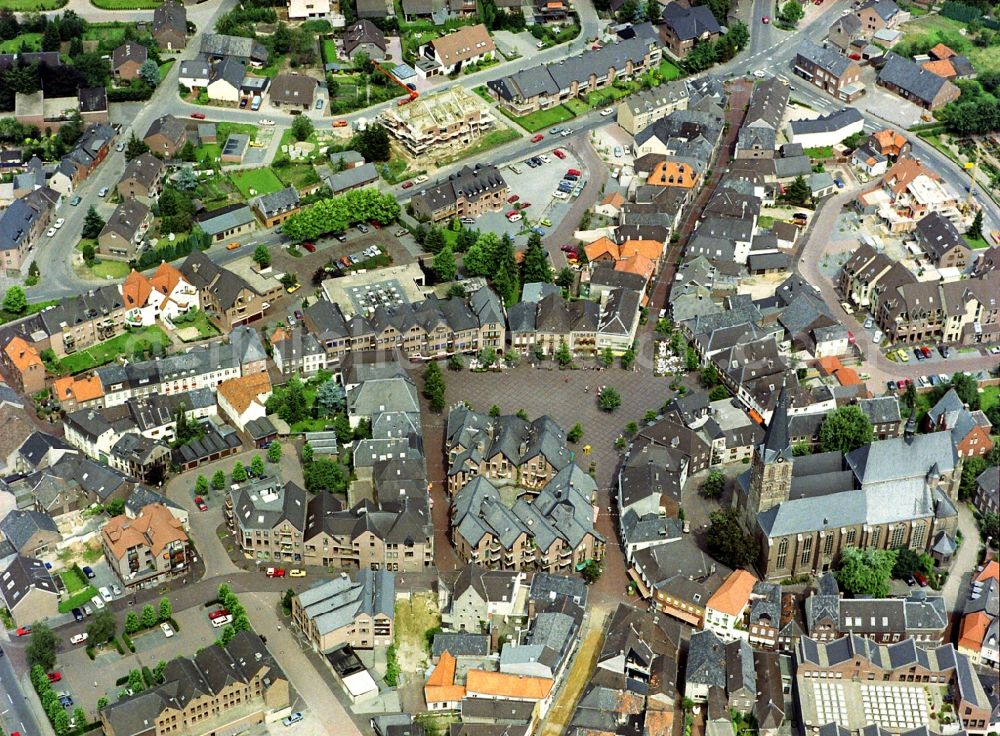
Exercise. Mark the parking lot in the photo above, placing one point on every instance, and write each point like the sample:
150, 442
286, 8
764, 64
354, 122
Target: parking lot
535, 187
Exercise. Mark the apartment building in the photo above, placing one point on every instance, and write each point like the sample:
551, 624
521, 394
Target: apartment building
147, 550
639, 111
834, 73
919, 617
233, 687
455, 118
24, 365
340, 611
22, 223
227, 298
469, 192
122, 235
268, 519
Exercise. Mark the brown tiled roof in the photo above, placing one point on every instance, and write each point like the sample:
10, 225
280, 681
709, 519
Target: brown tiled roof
241, 392
503, 685
155, 527
465, 43
22, 355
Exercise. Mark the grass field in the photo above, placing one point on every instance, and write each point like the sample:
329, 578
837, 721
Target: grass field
77, 600
296, 175
976, 243
104, 32
110, 270
30, 41
932, 25
105, 352
73, 580
329, 50
990, 397
261, 181
489, 141
577, 106
541, 119
199, 321
21, 6
165, 69
414, 618
126, 4
6, 316
819, 152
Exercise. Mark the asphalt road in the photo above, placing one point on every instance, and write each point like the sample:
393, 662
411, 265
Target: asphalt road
14, 711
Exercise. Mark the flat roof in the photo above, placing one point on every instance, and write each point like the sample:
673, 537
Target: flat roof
393, 287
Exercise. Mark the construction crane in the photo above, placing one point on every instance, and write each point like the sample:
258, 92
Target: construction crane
411, 94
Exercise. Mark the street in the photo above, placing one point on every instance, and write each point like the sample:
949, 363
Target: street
15, 711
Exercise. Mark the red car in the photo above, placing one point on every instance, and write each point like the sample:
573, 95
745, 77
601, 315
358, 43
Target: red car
375, 224
511, 213
854, 57
525, 205
901, 384
567, 248
513, 198
407, 184
925, 350
216, 614
309, 247
921, 579
54, 676
200, 503
275, 572
23, 631
765, 20
596, 47
537, 137
558, 153
198, 115
573, 172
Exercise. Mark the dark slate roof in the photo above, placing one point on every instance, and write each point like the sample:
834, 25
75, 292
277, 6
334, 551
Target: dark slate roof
21, 575
689, 23
275, 203
706, 663
460, 644
826, 59
19, 525
911, 77
938, 235
834, 121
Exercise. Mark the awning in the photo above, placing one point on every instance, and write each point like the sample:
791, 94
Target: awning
643, 590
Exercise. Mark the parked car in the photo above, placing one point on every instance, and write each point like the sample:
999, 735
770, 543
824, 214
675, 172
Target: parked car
218, 614
75, 201
243, 103
945, 351
89, 572
340, 237
467, 221
926, 351
59, 223
839, 182
421, 179
544, 159
78, 614
78, 638
50, 232
198, 115
537, 137
401, 232
919, 355
167, 631
54, 676
574, 172
407, 184
296, 716
558, 153
200, 503
765, 20
309, 247
299, 315
619, 151
921, 579
98, 602
514, 216
561, 194
891, 385
607, 111
23, 631
221, 621
555, 131
362, 227
512, 198
265, 122
275, 572
567, 248
103, 192
546, 222
105, 592
296, 573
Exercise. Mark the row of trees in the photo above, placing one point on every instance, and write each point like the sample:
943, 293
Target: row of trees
707, 53
337, 213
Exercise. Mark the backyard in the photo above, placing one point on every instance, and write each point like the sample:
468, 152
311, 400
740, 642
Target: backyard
414, 618
30, 42
78, 590
297, 174
125, 344
252, 182
208, 152
351, 92
934, 28
195, 325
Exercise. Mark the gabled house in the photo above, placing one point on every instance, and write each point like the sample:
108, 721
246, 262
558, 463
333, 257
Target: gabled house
166, 136
683, 25
141, 178
970, 430
450, 52
122, 235
28, 591
912, 82
364, 37
941, 241
170, 26
275, 207
127, 59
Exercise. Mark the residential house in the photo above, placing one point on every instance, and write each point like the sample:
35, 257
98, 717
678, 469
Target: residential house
141, 178
122, 235
166, 136
28, 591
919, 617
275, 207
467, 193
239, 683
140, 457
682, 26
941, 241
637, 112
884, 415
127, 59
912, 82
979, 635
242, 400
364, 37
22, 223
359, 614
970, 430
293, 90
308, 9
725, 610
217, 46
147, 550
225, 297
356, 177
449, 53
826, 130
194, 73
834, 73
24, 365
31, 533
226, 223
876, 15
727, 668
170, 26
987, 495
225, 79
478, 595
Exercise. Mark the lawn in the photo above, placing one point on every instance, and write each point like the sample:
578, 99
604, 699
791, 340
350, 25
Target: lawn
105, 352
208, 152
933, 26
976, 243
126, 4
6, 316
31, 41
260, 181
21, 6
111, 270
298, 174
491, 140
165, 69
541, 119
577, 106
73, 581
76, 600
199, 321
104, 32
669, 70
819, 152
353, 92
989, 397
329, 50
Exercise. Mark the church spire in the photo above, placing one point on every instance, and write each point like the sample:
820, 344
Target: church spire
776, 442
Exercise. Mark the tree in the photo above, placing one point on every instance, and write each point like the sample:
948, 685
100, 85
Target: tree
158, 670
965, 386
102, 627
800, 449
563, 356
261, 255
505, 275
60, 722
9, 27
713, 485
166, 609
971, 470
975, 231
628, 359
188, 153
307, 452
51, 38
93, 223
331, 397
89, 254
274, 452
478, 260
566, 278
609, 399
910, 395
791, 12
536, 261
41, 649
79, 717
866, 571
148, 616
239, 472
302, 128
727, 542
201, 485
372, 143
691, 361
455, 362
575, 433
324, 474
434, 240
219, 480
186, 180
290, 404
445, 268
909, 561
15, 301
591, 571
487, 357
257, 466
149, 72
131, 622
466, 239
798, 192
495, 411
845, 429
135, 148
135, 682
434, 387
710, 376
102, 702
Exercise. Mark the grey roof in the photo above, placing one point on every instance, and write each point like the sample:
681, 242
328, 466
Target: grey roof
168, 126
170, 16
229, 217
127, 219
706, 663
142, 497
21, 576
836, 120
128, 52
938, 235
351, 178
886, 9
380, 395
217, 44
792, 166
266, 503
827, 59
19, 525
911, 77
230, 70
194, 69
689, 23
334, 604
362, 32
274, 203
146, 169
293, 88
460, 644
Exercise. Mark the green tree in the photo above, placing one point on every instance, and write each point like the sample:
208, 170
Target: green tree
606, 357
131, 622
591, 571
575, 433
975, 231
800, 449
434, 387
257, 466
505, 276
201, 485
102, 702
445, 268
691, 361
331, 397
566, 278
186, 180
495, 411
228, 632
79, 717
909, 561
93, 223
536, 261
866, 571
219, 480
628, 359
135, 682
798, 192
239, 473
478, 260
15, 301
41, 649
965, 386
845, 429
302, 128
372, 143
455, 362
158, 670
710, 376
148, 617
727, 542
434, 240
972, 468
522, 415
307, 452
51, 38
60, 722
102, 627
134, 148
261, 255
166, 609
713, 485
89, 254
324, 474
190, 154
791, 12
274, 452
149, 72
563, 356
487, 357
609, 399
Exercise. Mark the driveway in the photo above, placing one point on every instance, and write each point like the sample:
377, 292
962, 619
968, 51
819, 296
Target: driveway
963, 566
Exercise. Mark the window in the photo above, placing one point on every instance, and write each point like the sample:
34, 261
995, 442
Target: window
828, 545
782, 553
876, 533
806, 551
851, 534
919, 537
896, 540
